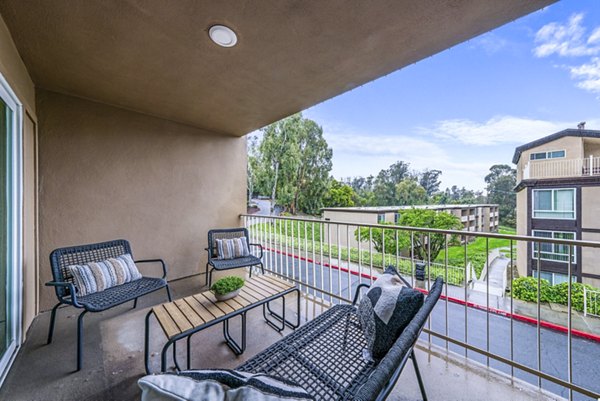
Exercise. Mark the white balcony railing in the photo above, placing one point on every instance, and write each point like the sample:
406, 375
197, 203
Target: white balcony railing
589, 166
478, 320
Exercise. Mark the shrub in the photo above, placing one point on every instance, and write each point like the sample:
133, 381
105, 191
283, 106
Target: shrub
560, 292
526, 289
227, 284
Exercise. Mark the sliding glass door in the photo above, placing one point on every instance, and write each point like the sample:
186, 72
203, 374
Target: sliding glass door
10, 227
5, 299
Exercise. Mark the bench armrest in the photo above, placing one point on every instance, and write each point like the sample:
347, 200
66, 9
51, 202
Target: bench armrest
357, 293
72, 290
210, 254
162, 263
259, 247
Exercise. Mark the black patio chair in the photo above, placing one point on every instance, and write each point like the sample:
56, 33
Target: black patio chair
66, 292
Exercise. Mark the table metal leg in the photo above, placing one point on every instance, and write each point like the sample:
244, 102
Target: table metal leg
189, 353
231, 343
281, 318
147, 343
177, 368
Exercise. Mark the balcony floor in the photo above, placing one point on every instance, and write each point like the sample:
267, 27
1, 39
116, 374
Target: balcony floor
113, 358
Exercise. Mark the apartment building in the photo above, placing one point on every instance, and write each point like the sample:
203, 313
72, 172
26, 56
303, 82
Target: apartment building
558, 187
476, 217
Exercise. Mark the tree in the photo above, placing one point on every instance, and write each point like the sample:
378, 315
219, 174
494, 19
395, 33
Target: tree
339, 195
409, 192
314, 166
384, 186
277, 155
501, 182
427, 246
456, 195
292, 164
430, 180
252, 166
363, 190
389, 239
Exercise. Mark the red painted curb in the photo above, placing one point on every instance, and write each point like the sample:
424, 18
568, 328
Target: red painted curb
516, 316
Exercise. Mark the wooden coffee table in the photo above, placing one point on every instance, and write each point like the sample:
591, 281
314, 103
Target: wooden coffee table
184, 317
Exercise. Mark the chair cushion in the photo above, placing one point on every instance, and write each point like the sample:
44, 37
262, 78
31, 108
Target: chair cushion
216, 385
385, 311
119, 294
98, 276
246, 261
232, 248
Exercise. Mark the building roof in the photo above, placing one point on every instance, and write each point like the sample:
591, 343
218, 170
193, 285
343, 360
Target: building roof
581, 133
389, 209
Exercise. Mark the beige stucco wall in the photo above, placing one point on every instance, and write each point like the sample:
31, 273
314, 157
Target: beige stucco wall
590, 219
352, 217
30, 234
590, 207
573, 147
590, 256
108, 173
591, 147
347, 236
14, 72
522, 230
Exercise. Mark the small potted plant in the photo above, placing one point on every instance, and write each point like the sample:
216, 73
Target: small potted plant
227, 287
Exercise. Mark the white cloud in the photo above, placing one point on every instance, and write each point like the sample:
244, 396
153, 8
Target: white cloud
491, 43
588, 75
497, 130
567, 39
381, 145
357, 153
363, 153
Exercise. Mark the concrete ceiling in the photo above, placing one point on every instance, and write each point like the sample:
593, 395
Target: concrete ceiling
155, 56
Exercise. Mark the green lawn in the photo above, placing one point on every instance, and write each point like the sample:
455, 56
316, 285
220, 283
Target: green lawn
476, 250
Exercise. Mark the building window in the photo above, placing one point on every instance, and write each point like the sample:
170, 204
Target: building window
380, 218
396, 217
553, 252
554, 203
554, 154
555, 278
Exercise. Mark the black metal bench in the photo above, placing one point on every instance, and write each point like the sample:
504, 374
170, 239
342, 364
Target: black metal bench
325, 355
66, 292
225, 264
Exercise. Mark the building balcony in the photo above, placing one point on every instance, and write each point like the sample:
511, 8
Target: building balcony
546, 169
114, 348
478, 341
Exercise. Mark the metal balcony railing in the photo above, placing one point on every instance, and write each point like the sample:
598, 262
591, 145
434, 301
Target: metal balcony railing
328, 259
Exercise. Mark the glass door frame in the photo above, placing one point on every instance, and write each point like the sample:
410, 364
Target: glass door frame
15, 225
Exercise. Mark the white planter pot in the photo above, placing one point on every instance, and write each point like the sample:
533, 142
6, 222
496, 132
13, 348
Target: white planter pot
229, 295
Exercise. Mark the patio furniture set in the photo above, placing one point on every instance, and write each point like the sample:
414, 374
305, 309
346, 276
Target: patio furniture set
350, 351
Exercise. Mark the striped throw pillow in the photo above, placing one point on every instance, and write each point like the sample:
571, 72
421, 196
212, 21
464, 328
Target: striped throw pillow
232, 248
98, 276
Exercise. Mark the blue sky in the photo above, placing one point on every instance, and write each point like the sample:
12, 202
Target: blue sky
467, 108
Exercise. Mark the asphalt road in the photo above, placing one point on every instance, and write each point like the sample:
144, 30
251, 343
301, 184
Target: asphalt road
586, 353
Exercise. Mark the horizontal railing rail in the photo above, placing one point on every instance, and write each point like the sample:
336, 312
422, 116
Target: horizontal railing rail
588, 166
328, 259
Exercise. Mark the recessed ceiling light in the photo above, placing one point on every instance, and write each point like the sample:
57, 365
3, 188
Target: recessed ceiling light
222, 35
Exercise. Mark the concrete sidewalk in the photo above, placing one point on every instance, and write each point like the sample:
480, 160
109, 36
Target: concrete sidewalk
555, 314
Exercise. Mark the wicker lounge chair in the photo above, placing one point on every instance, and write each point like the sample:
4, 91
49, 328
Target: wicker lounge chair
325, 355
